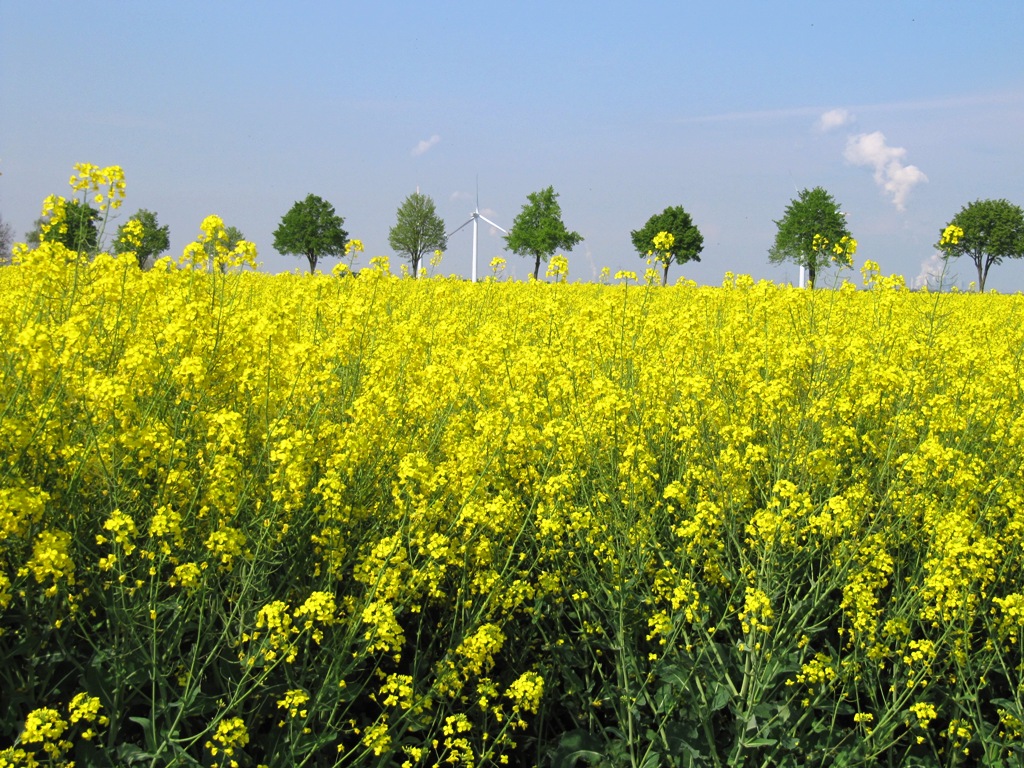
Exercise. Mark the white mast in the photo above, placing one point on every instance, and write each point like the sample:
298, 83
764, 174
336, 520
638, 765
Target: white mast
475, 219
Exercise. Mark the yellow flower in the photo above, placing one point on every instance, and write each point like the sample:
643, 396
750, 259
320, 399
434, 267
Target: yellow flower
107, 184
187, 575
122, 528
51, 560
951, 235
663, 243
756, 611
377, 738
293, 702
229, 735
526, 692
45, 728
924, 713
226, 544
132, 233
317, 611
479, 649
558, 268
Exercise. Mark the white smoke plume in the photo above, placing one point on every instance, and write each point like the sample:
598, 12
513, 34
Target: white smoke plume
895, 178
934, 271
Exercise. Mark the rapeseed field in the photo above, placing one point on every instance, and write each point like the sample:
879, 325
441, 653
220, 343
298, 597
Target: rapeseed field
374, 521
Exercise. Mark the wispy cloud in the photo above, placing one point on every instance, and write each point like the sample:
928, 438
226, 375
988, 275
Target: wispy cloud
834, 118
752, 116
425, 145
1001, 98
997, 98
895, 178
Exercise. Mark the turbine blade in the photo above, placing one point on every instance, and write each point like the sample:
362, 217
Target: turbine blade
458, 228
493, 224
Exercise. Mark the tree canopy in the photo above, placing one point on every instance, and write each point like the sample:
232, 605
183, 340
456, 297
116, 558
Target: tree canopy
688, 241
152, 241
312, 229
418, 230
986, 231
538, 230
6, 241
77, 232
810, 223
232, 237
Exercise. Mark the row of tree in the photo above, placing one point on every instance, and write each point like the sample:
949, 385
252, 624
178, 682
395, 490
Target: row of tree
80, 231
311, 228
811, 234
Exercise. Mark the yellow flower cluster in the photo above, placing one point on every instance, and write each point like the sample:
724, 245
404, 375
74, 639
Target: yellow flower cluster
230, 735
558, 268
664, 242
840, 252
293, 702
106, 185
757, 610
46, 736
210, 249
951, 235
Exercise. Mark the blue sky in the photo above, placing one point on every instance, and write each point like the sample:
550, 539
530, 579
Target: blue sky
242, 108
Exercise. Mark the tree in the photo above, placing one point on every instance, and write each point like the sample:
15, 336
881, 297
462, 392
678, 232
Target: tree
989, 231
419, 230
311, 229
152, 241
813, 213
6, 241
80, 232
233, 236
538, 230
689, 242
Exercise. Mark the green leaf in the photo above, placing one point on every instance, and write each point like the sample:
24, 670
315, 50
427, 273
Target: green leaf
722, 697
576, 745
752, 743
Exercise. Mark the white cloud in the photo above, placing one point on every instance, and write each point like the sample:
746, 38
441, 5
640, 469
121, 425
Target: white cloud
933, 270
834, 118
425, 145
895, 178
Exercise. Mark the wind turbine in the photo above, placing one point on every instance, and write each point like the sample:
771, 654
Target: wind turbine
474, 219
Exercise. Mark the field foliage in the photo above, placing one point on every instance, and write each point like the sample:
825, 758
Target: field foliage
315, 520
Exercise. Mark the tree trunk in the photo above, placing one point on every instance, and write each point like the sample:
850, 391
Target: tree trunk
312, 262
664, 277
536, 268
810, 276
982, 274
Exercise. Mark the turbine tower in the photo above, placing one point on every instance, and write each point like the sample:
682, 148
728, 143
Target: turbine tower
474, 219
